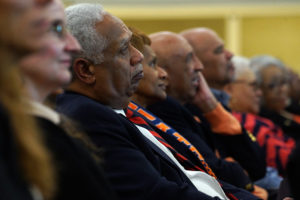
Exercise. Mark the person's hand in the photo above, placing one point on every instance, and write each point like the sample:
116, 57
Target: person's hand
204, 98
260, 192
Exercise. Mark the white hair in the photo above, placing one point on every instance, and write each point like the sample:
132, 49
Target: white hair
81, 21
241, 66
258, 63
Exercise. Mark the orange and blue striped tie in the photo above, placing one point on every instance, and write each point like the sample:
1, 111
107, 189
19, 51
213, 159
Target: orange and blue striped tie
138, 120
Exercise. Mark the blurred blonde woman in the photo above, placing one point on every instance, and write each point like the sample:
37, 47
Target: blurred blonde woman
26, 168
43, 72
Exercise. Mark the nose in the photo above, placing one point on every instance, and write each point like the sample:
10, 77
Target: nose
136, 56
72, 45
258, 92
284, 88
162, 74
198, 66
228, 54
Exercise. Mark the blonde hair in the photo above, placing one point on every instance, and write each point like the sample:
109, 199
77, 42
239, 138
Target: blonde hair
34, 158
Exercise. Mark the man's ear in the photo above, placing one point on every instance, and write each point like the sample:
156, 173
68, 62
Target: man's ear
84, 70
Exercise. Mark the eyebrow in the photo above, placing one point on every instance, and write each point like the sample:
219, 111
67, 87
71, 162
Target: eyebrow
216, 50
154, 59
39, 22
189, 56
125, 41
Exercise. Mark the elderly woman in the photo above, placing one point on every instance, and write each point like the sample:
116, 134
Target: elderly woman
272, 77
245, 102
294, 93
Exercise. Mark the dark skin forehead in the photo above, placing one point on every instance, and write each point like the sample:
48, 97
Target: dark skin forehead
171, 46
204, 40
115, 31
148, 52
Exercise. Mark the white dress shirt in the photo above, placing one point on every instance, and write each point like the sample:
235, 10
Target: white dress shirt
202, 181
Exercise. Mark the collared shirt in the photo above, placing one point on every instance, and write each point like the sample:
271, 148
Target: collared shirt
202, 181
221, 96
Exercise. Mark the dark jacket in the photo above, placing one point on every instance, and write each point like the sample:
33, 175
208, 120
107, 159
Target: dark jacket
136, 167
289, 127
79, 176
201, 136
276, 145
12, 183
293, 175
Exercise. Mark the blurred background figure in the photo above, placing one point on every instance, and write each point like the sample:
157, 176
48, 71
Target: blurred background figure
245, 102
39, 160
26, 168
293, 175
79, 175
244, 91
294, 92
272, 77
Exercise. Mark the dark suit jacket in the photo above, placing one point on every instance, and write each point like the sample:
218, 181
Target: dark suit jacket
79, 177
12, 184
293, 175
246, 152
294, 107
136, 168
177, 116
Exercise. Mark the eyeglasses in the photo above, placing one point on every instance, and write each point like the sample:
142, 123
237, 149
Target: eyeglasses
275, 84
253, 84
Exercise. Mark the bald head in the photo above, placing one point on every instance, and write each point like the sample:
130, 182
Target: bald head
209, 48
167, 45
177, 57
199, 38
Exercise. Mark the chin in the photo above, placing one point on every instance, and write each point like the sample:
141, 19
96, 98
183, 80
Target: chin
163, 96
160, 97
255, 111
65, 78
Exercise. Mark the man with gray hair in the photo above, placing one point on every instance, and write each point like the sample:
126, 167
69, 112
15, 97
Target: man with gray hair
106, 73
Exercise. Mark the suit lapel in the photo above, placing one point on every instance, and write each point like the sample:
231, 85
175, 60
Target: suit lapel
151, 144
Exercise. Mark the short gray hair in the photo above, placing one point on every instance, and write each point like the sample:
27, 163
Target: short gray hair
81, 21
241, 66
258, 63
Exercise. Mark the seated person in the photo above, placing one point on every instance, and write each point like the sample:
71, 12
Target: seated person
272, 76
218, 71
151, 90
245, 103
107, 72
26, 168
186, 85
294, 92
79, 176
293, 172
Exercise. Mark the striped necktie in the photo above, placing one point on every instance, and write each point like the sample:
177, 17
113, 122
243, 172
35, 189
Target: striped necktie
137, 119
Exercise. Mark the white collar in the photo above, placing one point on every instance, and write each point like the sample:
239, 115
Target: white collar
43, 111
120, 111
202, 181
